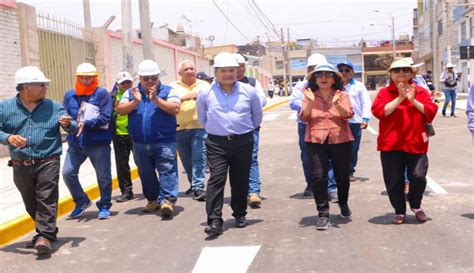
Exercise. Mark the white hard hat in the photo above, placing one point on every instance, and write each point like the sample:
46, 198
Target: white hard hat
449, 65
29, 74
124, 76
148, 68
86, 69
316, 59
225, 59
240, 58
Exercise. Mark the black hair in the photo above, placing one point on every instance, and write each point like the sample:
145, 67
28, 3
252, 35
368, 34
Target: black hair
337, 85
19, 87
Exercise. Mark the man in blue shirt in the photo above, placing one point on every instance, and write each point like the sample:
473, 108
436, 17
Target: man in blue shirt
29, 125
229, 112
92, 107
361, 105
151, 108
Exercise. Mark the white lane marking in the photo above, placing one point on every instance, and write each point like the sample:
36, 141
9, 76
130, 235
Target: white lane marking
269, 117
435, 186
372, 130
292, 116
235, 259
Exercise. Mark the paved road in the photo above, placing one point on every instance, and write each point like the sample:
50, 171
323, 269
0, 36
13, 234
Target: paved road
281, 236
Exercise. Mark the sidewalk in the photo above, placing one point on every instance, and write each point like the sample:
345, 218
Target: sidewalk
14, 220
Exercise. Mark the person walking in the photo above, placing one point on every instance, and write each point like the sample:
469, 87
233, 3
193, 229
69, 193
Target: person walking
230, 112
255, 184
449, 80
326, 110
360, 101
190, 135
91, 106
122, 142
30, 127
151, 108
403, 108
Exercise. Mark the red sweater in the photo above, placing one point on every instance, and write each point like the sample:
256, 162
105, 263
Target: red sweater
404, 129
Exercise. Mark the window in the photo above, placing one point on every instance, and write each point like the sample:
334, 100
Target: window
279, 64
463, 31
440, 27
471, 23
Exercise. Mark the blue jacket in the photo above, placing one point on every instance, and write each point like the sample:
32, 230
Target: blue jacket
92, 134
148, 124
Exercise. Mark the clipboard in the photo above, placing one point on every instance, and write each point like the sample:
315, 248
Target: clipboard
89, 111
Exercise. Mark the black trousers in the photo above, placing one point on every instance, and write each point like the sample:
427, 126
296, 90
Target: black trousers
394, 164
232, 156
122, 150
319, 156
38, 185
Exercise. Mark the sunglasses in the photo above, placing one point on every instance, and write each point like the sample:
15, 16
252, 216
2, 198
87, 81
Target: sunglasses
345, 70
148, 78
39, 84
324, 74
399, 69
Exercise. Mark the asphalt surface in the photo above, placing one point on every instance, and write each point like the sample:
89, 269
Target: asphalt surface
284, 226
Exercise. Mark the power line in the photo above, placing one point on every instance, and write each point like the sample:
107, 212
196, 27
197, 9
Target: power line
228, 19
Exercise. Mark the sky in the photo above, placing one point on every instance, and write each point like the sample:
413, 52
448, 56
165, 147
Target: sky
330, 22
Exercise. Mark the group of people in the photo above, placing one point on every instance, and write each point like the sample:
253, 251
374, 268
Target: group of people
210, 125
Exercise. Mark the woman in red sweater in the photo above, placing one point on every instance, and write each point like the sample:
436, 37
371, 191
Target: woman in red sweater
326, 110
403, 108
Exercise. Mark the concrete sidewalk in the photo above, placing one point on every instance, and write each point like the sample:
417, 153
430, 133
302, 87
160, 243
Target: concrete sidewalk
14, 220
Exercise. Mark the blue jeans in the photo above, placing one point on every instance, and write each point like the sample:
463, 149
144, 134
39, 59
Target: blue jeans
357, 133
99, 156
159, 157
304, 154
254, 177
449, 95
191, 145
307, 164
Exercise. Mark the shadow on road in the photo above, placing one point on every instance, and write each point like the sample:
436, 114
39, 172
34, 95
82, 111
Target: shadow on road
90, 215
20, 247
468, 215
336, 221
139, 212
387, 219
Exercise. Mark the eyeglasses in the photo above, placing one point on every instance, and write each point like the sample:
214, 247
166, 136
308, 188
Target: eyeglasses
148, 78
345, 70
39, 84
404, 69
324, 74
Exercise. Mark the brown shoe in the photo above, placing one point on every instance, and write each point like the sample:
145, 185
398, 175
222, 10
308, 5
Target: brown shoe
352, 178
151, 206
398, 219
420, 215
166, 209
43, 246
254, 200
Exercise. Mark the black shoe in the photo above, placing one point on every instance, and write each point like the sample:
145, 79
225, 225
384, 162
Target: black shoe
240, 221
453, 115
322, 223
214, 228
199, 195
125, 197
308, 191
189, 191
345, 211
43, 246
443, 113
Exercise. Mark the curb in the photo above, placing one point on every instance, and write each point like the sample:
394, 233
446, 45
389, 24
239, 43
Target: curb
22, 225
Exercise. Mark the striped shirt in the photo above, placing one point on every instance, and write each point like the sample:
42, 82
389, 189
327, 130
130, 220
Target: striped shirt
40, 128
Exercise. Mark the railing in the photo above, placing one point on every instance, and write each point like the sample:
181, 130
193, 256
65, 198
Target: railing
55, 24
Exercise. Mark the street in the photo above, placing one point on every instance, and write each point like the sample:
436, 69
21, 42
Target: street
281, 236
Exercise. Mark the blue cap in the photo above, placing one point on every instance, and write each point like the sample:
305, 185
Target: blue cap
203, 76
346, 63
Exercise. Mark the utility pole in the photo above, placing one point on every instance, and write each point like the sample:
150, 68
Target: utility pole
434, 45
394, 46
145, 25
447, 30
285, 61
289, 58
87, 19
127, 55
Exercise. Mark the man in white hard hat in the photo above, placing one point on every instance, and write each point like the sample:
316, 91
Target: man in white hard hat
190, 136
230, 139
120, 138
151, 108
29, 125
449, 82
296, 99
91, 106
253, 198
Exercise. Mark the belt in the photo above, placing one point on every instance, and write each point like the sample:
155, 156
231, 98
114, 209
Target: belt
232, 137
30, 162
